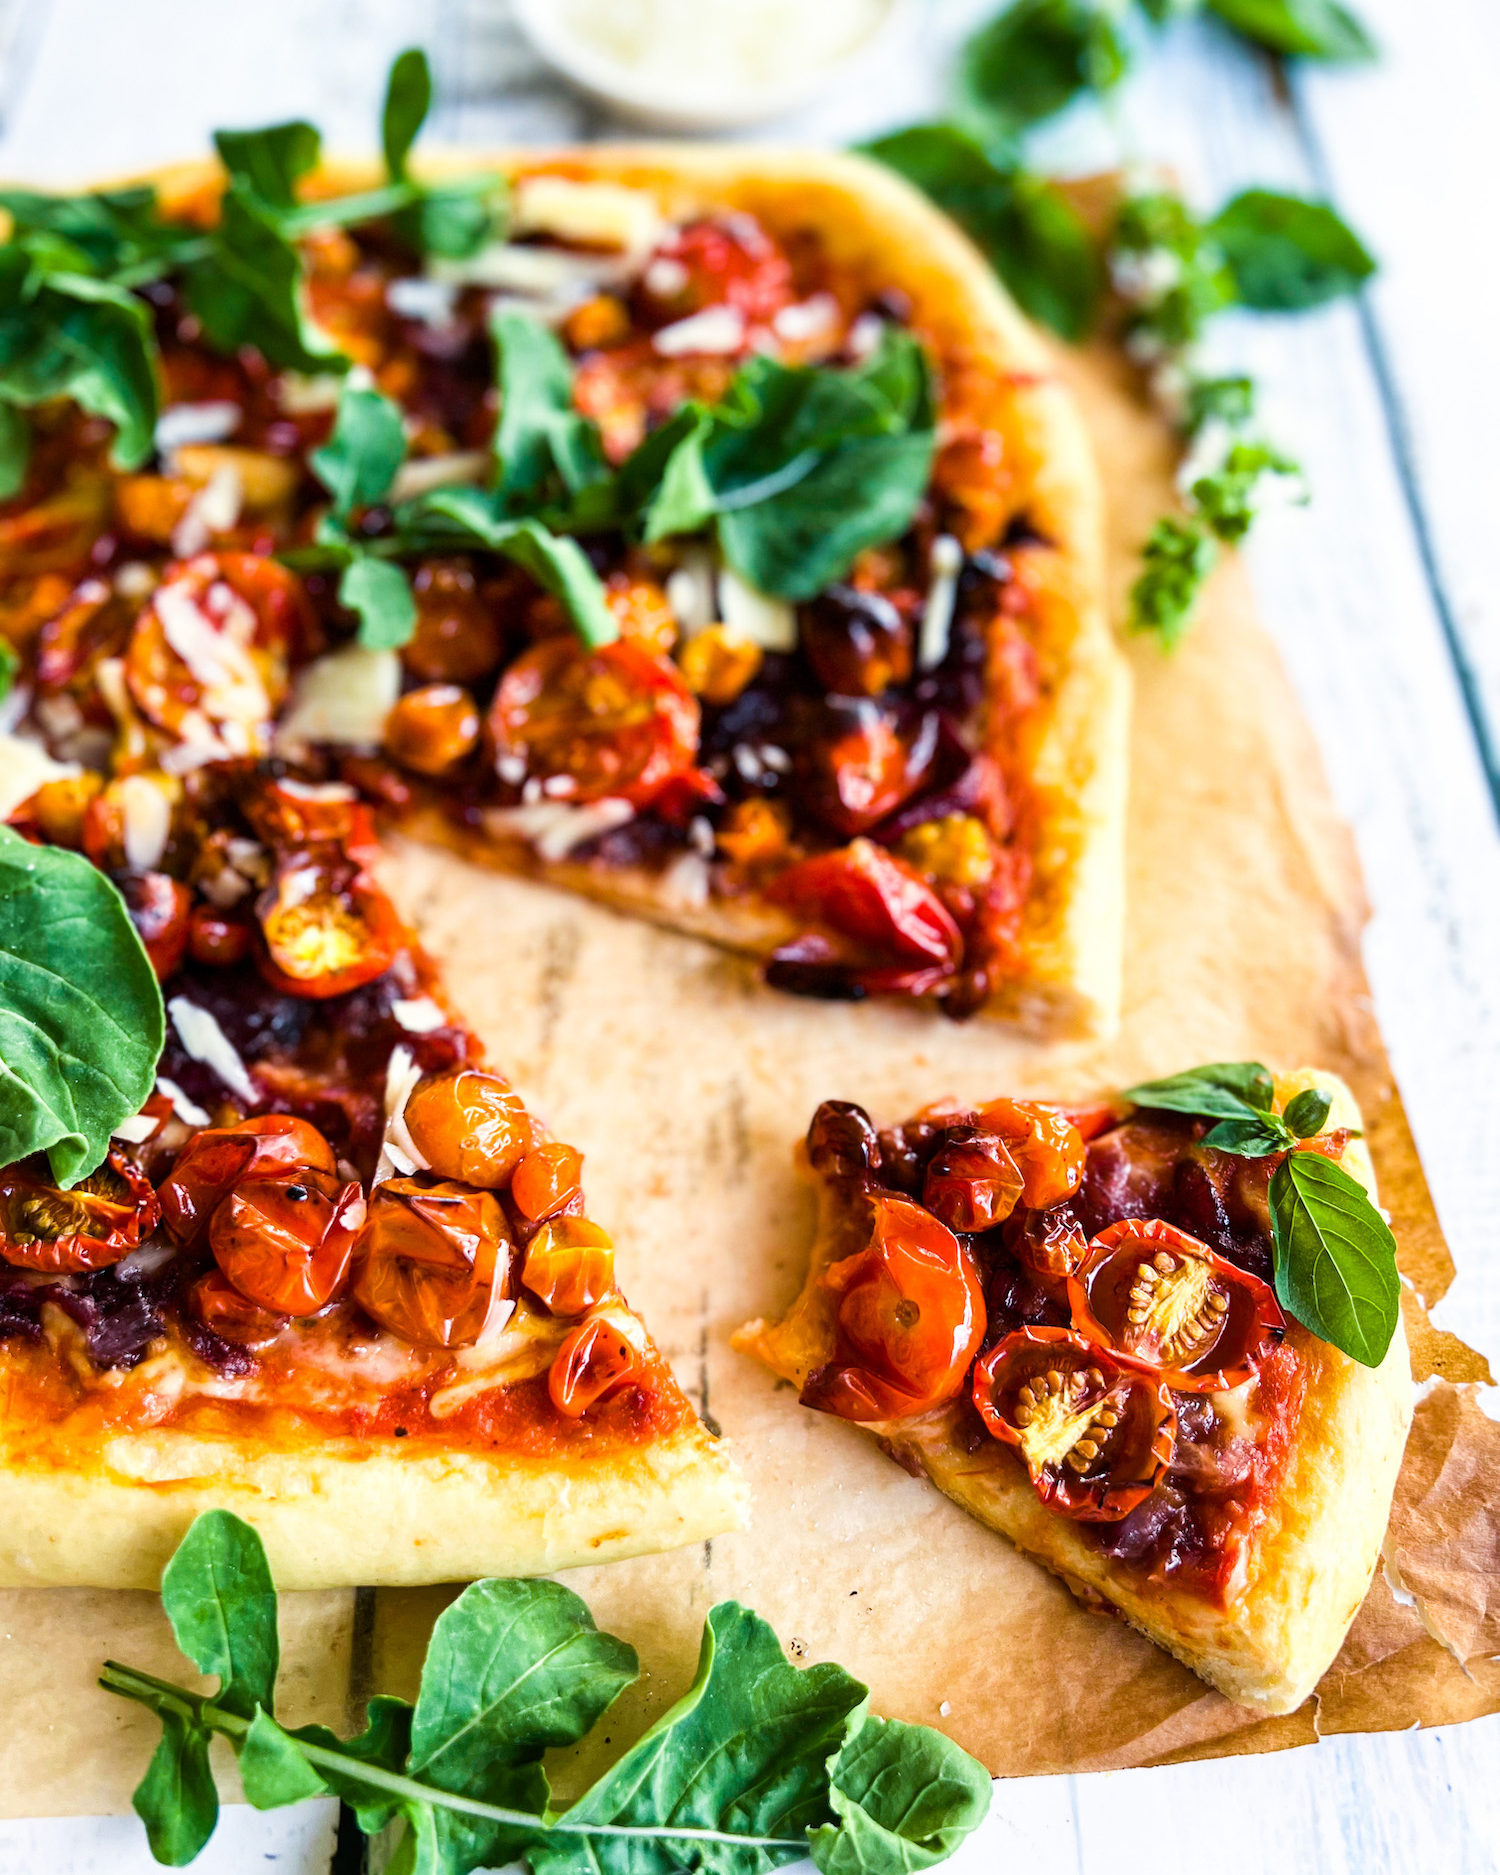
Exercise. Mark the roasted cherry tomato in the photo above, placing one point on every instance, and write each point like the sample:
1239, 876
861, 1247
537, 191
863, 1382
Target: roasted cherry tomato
216, 937
159, 908
1095, 1430
972, 1182
287, 813
457, 637
616, 722
432, 1261
1049, 1245
725, 262
127, 824
864, 894
233, 1317
598, 1357
87, 1228
570, 1265
864, 768
1158, 1294
548, 1180
842, 1141
470, 1125
857, 643
910, 1315
95, 623
328, 927
209, 658
1047, 1147
223, 1156
285, 1241
432, 729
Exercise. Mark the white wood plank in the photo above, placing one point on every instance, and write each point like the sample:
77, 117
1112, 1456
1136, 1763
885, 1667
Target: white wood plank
283, 1842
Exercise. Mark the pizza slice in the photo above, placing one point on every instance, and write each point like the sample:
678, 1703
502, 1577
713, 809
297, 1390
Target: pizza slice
1089, 1330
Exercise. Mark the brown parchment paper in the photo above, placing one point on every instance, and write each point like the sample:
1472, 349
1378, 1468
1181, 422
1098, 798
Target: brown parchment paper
687, 1083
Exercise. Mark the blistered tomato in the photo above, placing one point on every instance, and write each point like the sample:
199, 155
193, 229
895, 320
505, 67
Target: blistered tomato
570, 1265
972, 1182
285, 1241
432, 1261
221, 1156
601, 1355
547, 1180
1047, 1147
470, 1125
87, 1228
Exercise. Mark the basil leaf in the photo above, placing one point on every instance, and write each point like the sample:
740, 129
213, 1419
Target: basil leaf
1307, 1114
1316, 29
1027, 230
1335, 1257
1034, 58
15, 458
1287, 254
81, 1018
541, 439
1224, 1090
379, 593
905, 1798
272, 1770
270, 162
359, 461
219, 1597
1177, 558
746, 1749
408, 98
247, 290
1228, 497
177, 1799
1250, 1139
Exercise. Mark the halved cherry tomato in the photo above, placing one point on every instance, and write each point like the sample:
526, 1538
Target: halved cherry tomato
1095, 1430
724, 262
469, 1125
570, 1265
328, 927
547, 1180
616, 722
972, 1182
87, 1228
910, 1316
863, 893
432, 1261
233, 1317
1047, 1147
285, 1241
857, 642
596, 1359
1151, 1291
223, 1156
287, 813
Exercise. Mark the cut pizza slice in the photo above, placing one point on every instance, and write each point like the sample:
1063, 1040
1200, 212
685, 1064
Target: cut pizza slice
1070, 1322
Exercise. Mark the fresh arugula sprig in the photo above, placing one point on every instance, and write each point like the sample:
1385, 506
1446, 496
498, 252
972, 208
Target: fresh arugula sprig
758, 1764
1333, 1254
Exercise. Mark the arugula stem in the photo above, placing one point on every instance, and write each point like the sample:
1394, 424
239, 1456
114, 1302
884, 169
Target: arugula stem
131, 1683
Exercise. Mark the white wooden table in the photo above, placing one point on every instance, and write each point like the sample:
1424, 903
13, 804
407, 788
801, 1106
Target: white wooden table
1384, 598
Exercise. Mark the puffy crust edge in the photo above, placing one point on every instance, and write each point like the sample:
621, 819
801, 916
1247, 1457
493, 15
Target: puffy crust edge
1310, 1563
338, 1513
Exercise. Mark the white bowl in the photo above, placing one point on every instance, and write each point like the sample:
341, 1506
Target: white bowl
666, 103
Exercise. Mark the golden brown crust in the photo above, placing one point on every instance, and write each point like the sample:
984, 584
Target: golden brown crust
1308, 1565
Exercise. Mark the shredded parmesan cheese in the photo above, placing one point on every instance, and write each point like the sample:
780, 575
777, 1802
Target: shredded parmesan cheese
205, 1041
587, 214
398, 1150
418, 1015
771, 623
945, 565
460, 469
146, 816
343, 698
185, 1109
717, 331
554, 828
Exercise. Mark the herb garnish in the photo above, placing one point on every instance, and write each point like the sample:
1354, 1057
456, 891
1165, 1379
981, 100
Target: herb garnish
1333, 1253
758, 1764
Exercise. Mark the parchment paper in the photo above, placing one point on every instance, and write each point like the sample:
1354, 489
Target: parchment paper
687, 1085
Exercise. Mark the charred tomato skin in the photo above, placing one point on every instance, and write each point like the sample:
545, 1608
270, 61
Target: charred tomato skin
1047, 1147
100, 1220
431, 1261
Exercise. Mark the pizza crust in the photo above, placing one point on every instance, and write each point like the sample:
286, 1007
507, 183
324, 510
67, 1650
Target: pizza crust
1310, 1563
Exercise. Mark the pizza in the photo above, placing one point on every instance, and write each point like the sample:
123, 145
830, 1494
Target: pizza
1070, 1321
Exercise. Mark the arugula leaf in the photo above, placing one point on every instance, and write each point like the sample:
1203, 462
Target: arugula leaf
247, 289
359, 461
453, 218
272, 1770
1316, 29
905, 1798
408, 99
1223, 1090
540, 438
1026, 228
81, 1018
1034, 58
1287, 254
219, 1597
105, 232
177, 1799
272, 161
383, 1744
380, 596
1230, 401
1177, 558
1335, 1257
1226, 496
746, 1750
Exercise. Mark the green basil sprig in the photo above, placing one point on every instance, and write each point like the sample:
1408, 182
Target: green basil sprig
1333, 1254
81, 1018
758, 1764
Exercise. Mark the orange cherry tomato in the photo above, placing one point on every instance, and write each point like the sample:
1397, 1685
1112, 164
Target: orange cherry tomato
223, 1156
470, 1125
233, 1317
618, 721
457, 637
1095, 1430
285, 1240
1047, 1147
570, 1265
94, 623
287, 813
87, 1228
328, 927
722, 262
548, 1179
972, 1182
858, 777
159, 908
432, 1261
432, 729
1153, 1292
596, 1359
910, 1316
